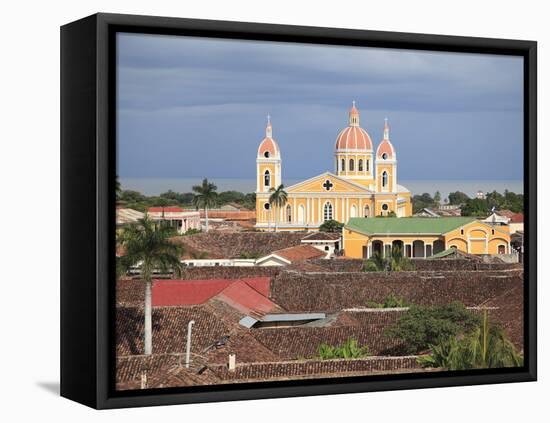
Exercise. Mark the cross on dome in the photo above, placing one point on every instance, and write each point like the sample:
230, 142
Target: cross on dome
269, 129
353, 115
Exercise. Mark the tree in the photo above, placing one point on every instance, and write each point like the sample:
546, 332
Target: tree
278, 199
437, 198
422, 201
205, 197
423, 326
457, 198
485, 347
475, 207
118, 188
331, 225
147, 246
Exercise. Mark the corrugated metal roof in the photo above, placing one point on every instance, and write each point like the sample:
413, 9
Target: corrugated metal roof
407, 225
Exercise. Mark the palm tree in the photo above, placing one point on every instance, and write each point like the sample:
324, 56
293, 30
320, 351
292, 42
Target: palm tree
278, 198
206, 197
147, 246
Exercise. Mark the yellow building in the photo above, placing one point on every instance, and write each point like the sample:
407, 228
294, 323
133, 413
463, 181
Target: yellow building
364, 184
423, 237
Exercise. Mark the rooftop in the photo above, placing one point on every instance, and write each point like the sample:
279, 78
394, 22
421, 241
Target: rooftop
407, 225
300, 252
322, 236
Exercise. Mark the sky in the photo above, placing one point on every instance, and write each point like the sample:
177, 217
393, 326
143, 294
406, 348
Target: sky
196, 107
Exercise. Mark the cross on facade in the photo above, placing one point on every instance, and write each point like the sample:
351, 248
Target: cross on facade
328, 185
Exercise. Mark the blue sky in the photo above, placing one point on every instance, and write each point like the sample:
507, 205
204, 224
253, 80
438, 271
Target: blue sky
196, 107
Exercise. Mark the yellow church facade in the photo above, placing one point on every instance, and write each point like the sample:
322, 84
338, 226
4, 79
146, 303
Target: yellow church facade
363, 183
423, 237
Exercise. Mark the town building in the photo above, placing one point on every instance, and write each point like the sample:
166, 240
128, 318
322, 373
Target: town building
182, 220
363, 184
423, 237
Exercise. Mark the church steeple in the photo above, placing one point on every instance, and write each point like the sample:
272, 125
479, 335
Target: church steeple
386, 130
353, 115
268, 128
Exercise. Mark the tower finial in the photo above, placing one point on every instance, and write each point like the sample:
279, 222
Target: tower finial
268, 129
353, 115
386, 129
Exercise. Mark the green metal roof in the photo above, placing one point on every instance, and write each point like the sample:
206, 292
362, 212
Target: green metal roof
407, 225
444, 253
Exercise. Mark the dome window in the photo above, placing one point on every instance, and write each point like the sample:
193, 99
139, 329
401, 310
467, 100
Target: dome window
384, 156
351, 165
343, 168
266, 154
360, 165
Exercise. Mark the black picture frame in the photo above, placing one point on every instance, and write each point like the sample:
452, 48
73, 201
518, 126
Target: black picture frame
88, 208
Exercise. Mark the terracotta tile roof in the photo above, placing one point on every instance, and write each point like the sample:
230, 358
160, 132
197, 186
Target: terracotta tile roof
169, 209
322, 236
505, 213
246, 299
300, 252
245, 294
517, 218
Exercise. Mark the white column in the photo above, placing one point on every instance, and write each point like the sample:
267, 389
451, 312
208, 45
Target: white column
320, 212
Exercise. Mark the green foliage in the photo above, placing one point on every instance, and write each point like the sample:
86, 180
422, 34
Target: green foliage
422, 201
184, 199
457, 198
423, 326
192, 231
350, 349
331, 226
249, 255
391, 301
507, 201
205, 195
396, 263
485, 347
146, 243
437, 198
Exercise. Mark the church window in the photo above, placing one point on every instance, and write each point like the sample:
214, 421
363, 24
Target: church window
288, 214
343, 169
327, 212
351, 165
267, 206
266, 154
267, 178
360, 165
384, 156
384, 179
384, 207
367, 165
367, 211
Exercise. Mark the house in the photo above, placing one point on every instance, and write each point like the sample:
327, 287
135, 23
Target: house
291, 255
497, 219
421, 237
516, 223
126, 216
182, 220
426, 212
327, 242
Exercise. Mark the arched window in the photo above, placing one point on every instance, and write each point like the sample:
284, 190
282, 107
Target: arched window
288, 214
351, 165
384, 179
353, 211
267, 178
367, 211
301, 214
367, 165
360, 165
343, 167
327, 212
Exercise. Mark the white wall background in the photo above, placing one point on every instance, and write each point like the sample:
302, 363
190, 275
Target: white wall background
29, 166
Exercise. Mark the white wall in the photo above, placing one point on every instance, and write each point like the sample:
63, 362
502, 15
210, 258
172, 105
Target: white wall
29, 166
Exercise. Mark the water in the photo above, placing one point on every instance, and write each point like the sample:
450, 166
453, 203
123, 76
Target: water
155, 186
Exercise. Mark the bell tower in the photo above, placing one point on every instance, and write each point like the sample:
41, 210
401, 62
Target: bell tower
268, 162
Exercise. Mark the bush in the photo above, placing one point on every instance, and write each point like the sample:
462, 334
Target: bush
350, 349
423, 326
391, 301
331, 226
485, 347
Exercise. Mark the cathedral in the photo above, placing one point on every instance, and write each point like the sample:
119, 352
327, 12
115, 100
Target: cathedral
363, 184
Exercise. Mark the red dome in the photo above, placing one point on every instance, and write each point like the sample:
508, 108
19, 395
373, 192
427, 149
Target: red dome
385, 147
353, 138
270, 146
